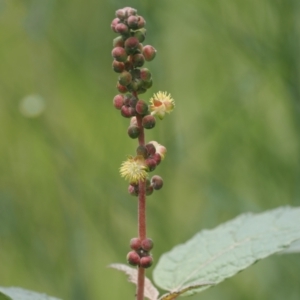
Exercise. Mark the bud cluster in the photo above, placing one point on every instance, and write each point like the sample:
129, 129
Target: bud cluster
129, 53
140, 254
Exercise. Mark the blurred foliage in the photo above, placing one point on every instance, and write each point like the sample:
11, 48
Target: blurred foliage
233, 141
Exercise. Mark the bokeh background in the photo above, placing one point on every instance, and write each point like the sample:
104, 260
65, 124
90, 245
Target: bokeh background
233, 142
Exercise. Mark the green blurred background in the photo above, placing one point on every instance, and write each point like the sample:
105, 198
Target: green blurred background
233, 141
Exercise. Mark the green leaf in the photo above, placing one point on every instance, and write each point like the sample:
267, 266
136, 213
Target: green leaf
214, 255
15, 293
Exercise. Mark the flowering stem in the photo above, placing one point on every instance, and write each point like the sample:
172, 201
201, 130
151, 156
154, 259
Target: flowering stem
141, 217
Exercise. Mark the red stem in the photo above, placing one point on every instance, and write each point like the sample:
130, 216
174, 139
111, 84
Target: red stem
141, 217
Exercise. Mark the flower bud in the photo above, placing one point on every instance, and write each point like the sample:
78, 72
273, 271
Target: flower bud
141, 22
138, 60
133, 258
122, 28
133, 190
157, 158
148, 122
133, 121
132, 22
128, 65
131, 44
150, 148
141, 107
118, 101
130, 11
118, 66
149, 52
133, 131
146, 262
119, 54
121, 88
151, 164
114, 24
147, 244
149, 190
140, 35
125, 78
147, 84
157, 182
135, 243
118, 42
141, 90
142, 150
145, 74
121, 13
127, 111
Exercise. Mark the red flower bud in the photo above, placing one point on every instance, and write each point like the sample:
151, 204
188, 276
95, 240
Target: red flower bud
127, 111
119, 54
147, 244
118, 101
133, 131
141, 107
118, 66
133, 258
157, 182
149, 52
148, 122
146, 262
135, 243
131, 44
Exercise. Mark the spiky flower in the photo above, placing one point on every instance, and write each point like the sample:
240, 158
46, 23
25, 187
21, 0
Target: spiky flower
134, 169
161, 103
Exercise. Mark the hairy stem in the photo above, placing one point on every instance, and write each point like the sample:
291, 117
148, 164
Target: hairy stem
141, 217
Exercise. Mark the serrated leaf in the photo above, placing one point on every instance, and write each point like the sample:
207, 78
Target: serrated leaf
15, 293
150, 291
214, 255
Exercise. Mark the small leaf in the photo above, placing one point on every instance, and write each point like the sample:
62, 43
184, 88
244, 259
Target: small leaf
214, 255
174, 295
15, 293
150, 292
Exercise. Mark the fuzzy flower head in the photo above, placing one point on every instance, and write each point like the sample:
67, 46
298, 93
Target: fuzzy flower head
134, 169
161, 103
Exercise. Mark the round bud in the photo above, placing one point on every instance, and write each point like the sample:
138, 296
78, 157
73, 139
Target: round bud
118, 101
133, 190
125, 78
121, 88
128, 65
118, 42
146, 262
148, 122
131, 44
145, 74
149, 52
149, 190
138, 60
157, 182
129, 11
147, 84
141, 107
118, 66
135, 243
141, 90
147, 244
133, 258
150, 148
142, 150
127, 111
133, 131
157, 158
114, 24
132, 22
122, 28
141, 22
119, 54
120, 13
140, 35
150, 163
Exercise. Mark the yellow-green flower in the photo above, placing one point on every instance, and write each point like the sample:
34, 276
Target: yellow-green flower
161, 103
134, 169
